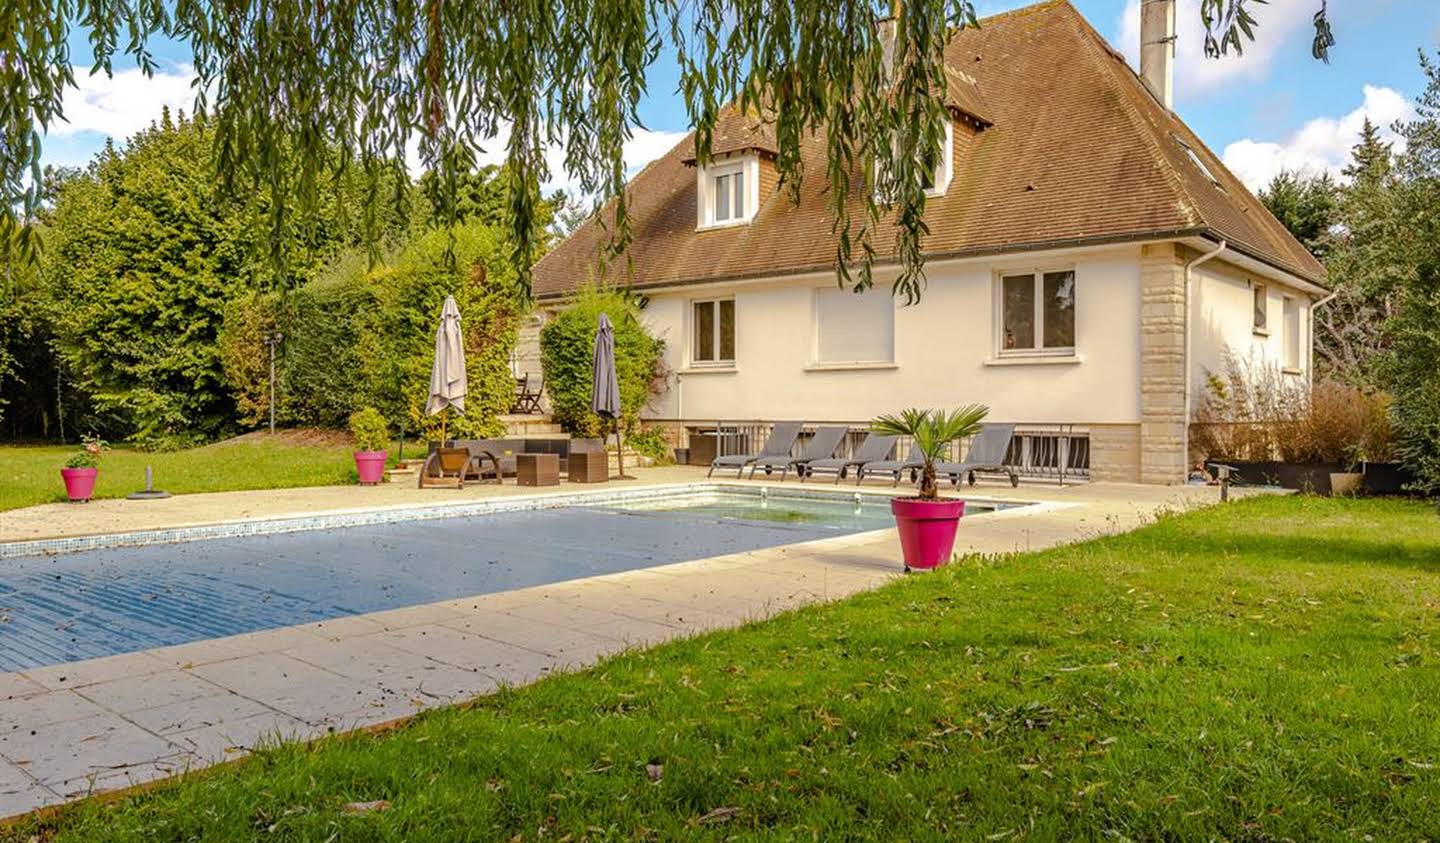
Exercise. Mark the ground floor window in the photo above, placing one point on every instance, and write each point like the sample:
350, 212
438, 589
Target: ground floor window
1292, 334
713, 326
854, 328
1037, 312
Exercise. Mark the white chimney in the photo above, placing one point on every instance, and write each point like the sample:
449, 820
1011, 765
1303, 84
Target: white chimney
1157, 49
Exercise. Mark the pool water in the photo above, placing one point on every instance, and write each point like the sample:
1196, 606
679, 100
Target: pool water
833, 513
82, 605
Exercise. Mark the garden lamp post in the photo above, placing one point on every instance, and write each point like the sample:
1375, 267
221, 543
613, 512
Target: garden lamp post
272, 339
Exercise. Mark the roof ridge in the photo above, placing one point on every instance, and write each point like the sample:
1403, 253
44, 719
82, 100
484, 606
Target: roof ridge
1043, 5
1145, 128
1269, 230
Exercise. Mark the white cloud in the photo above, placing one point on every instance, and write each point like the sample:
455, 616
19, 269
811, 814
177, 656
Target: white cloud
1195, 74
118, 106
644, 146
1322, 145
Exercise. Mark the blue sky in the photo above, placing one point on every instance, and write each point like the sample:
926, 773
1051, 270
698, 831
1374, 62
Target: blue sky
1275, 107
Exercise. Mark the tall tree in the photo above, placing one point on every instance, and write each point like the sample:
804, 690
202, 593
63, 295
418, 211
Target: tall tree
142, 257
1412, 328
300, 89
1364, 264
1304, 204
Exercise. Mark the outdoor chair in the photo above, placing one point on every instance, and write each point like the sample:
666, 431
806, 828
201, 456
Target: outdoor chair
987, 453
781, 441
821, 446
894, 468
444, 463
875, 448
527, 396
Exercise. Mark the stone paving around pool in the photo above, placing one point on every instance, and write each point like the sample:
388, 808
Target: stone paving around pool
71, 730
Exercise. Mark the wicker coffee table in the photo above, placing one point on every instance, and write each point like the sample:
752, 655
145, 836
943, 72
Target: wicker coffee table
588, 467
537, 469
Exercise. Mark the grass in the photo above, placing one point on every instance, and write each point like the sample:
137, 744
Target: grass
30, 475
1265, 671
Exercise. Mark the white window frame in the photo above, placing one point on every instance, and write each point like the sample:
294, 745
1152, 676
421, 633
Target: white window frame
1199, 163
1260, 294
816, 362
694, 334
747, 169
944, 168
1290, 336
1038, 276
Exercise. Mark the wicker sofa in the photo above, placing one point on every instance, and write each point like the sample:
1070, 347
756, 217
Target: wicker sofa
505, 450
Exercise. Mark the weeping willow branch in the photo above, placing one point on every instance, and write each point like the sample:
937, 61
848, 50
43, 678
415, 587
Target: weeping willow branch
308, 94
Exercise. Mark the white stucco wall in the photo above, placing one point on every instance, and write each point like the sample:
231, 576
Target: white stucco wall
1221, 319
945, 350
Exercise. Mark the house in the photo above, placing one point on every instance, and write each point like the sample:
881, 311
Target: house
1089, 262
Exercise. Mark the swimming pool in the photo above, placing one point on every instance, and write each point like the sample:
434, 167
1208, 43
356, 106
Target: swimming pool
81, 605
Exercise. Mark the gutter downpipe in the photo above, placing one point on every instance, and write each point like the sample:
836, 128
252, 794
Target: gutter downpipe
1189, 332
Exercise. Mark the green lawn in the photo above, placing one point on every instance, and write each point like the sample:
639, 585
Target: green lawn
1265, 671
31, 474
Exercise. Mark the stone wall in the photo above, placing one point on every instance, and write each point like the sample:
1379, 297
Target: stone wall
1162, 364
1115, 453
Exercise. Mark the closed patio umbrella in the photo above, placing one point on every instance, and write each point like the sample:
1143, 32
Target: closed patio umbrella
605, 386
448, 383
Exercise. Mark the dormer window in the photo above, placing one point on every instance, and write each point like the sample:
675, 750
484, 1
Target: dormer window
727, 191
727, 194
936, 178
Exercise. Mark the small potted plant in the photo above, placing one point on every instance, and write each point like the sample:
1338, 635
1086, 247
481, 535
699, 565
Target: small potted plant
368, 428
81, 470
926, 522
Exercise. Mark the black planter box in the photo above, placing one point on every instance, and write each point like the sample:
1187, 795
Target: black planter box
1310, 477
1387, 478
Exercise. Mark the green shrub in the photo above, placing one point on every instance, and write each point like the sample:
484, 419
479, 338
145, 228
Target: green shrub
368, 428
651, 443
88, 456
567, 350
365, 337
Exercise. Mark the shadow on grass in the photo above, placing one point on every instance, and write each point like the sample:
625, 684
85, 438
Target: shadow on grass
1414, 554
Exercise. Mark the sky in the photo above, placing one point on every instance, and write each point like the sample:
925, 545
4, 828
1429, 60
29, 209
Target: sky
1273, 108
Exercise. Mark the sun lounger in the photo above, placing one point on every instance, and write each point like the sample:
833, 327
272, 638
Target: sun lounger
782, 439
894, 468
875, 448
987, 453
821, 446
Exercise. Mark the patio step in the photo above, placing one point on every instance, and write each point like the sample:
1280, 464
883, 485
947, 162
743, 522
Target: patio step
536, 425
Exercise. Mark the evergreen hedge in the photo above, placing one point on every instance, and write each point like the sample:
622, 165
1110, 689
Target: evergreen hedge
361, 337
567, 350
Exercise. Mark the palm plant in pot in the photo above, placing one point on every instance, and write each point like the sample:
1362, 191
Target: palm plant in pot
371, 438
81, 469
926, 522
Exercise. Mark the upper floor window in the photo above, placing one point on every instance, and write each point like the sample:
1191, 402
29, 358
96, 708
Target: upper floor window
1037, 313
936, 177
1262, 306
727, 192
1198, 162
713, 327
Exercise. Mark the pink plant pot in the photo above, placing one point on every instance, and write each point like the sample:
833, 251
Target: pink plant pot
370, 465
927, 530
79, 483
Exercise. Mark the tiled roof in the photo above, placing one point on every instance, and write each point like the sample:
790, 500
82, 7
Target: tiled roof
734, 132
1078, 152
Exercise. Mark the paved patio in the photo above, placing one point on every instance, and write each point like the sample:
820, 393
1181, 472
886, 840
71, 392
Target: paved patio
74, 729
